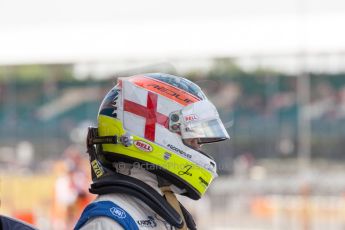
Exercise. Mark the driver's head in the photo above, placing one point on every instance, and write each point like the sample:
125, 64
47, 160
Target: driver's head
168, 119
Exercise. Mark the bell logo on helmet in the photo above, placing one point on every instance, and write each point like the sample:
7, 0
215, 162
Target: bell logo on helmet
191, 117
142, 145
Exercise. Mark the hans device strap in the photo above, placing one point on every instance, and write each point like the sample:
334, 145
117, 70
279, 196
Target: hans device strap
172, 200
187, 218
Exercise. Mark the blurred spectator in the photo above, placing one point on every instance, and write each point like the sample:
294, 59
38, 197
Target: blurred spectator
71, 188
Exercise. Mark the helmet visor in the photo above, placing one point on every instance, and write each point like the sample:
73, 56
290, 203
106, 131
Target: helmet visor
206, 131
199, 120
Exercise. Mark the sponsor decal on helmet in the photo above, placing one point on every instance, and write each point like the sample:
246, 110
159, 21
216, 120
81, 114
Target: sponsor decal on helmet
142, 145
178, 96
165, 89
203, 182
185, 171
191, 117
98, 170
167, 156
149, 223
181, 152
118, 212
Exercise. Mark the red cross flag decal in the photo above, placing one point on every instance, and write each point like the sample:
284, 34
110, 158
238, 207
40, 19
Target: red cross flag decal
149, 112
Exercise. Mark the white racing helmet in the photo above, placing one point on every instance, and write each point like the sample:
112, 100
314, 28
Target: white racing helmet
153, 115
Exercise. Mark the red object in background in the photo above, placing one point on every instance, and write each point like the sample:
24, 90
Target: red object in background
26, 216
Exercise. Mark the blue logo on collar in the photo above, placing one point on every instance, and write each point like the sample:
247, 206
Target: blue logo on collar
118, 212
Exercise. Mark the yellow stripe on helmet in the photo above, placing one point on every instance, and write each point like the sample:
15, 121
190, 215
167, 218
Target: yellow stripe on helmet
147, 151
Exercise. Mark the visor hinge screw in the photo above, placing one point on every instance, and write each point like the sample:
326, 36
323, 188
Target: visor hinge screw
174, 118
126, 140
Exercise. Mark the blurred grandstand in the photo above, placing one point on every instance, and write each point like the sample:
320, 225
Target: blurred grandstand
281, 170
260, 108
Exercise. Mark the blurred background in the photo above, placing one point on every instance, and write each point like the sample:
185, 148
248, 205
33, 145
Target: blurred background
274, 69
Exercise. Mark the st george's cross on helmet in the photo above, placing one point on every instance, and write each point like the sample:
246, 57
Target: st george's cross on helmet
160, 121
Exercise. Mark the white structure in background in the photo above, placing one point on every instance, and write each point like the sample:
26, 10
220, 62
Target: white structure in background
25, 153
40, 31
